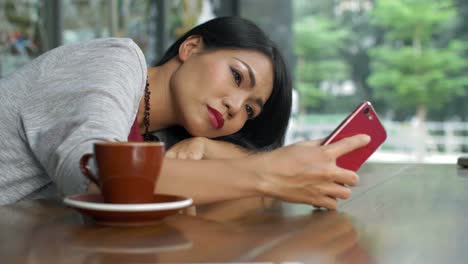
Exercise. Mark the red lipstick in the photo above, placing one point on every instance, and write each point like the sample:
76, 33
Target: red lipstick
216, 118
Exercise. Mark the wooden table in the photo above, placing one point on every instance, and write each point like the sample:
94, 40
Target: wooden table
398, 214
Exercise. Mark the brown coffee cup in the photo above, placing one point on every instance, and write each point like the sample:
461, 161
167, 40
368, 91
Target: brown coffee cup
127, 171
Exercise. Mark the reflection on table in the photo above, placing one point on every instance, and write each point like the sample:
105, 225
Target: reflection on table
398, 214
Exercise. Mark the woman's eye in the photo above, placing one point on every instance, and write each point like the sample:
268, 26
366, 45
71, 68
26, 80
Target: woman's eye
237, 77
250, 111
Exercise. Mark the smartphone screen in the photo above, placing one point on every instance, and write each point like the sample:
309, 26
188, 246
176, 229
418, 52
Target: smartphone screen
363, 120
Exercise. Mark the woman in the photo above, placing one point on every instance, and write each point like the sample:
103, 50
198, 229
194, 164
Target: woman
223, 79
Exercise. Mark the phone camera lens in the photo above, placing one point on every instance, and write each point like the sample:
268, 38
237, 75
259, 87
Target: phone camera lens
366, 111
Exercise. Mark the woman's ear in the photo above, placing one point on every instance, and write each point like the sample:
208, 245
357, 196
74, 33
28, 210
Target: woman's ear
193, 44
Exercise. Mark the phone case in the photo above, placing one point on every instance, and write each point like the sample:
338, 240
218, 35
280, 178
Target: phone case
363, 120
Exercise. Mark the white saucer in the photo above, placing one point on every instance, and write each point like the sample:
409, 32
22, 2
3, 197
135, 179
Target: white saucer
94, 206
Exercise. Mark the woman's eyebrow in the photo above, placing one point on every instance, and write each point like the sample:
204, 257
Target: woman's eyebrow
251, 74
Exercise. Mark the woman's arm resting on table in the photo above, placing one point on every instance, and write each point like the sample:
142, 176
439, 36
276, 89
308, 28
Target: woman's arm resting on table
302, 173
197, 148
207, 181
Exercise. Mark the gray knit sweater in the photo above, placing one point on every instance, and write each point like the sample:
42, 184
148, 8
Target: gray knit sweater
55, 108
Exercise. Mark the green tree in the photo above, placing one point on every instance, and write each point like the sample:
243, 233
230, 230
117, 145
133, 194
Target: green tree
318, 42
410, 69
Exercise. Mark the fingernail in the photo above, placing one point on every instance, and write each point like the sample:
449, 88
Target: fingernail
367, 138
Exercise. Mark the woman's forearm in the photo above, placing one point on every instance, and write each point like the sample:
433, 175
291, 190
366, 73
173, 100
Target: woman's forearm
302, 173
208, 181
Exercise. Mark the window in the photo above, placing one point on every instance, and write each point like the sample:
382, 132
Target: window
21, 33
409, 58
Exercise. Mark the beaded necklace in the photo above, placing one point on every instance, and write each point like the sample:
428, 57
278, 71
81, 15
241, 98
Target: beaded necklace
146, 117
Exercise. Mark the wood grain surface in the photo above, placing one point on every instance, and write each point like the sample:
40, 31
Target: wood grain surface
399, 213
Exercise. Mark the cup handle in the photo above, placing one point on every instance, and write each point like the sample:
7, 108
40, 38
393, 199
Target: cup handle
84, 166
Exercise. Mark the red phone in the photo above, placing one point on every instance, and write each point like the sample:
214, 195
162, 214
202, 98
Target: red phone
363, 120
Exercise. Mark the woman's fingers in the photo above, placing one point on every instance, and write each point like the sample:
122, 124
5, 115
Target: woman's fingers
182, 155
333, 173
335, 190
332, 186
171, 154
307, 172
326, 202
344, 176
191, 148
177, 153
195, 155
346, 145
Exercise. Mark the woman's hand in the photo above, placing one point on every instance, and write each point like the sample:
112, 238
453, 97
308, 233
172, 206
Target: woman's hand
307, 172
197, 148
190, 148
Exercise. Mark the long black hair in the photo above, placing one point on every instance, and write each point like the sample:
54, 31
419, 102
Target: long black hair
267, 131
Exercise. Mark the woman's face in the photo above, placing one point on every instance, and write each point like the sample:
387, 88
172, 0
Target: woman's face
216, 92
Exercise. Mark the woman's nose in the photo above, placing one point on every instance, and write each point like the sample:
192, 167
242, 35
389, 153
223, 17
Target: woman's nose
234, 104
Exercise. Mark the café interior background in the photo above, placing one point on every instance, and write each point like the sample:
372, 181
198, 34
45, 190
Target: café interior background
408, 57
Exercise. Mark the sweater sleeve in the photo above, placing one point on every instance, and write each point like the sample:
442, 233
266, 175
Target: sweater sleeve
84, 93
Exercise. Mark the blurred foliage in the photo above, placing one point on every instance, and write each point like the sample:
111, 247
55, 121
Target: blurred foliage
403, 55
184, 15
409, 19
318, 44
411, 68
430, 77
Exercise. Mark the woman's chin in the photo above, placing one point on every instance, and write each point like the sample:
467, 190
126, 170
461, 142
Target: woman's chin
196, 130
202, 128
